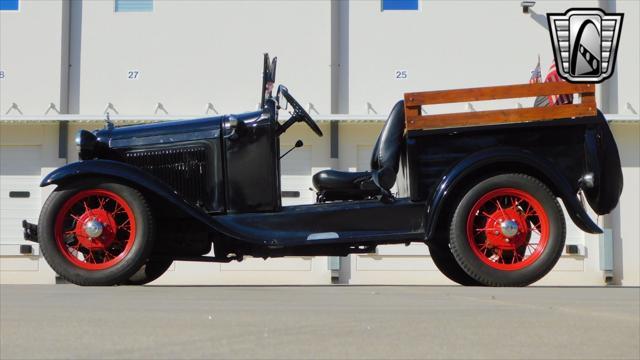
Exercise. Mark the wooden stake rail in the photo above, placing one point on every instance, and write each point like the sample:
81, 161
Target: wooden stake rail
416, 121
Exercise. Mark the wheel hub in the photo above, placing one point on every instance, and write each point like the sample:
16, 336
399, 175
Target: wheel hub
509, 228
506, 229
96, 229
93, 228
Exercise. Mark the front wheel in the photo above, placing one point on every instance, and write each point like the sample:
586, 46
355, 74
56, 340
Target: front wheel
508, 230
96, 232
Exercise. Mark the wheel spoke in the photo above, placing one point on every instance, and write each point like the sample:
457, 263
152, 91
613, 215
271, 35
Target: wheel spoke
516, 257
500, 207
536, 228
489, 216
126, 226
86, 207
117, 210
101, 202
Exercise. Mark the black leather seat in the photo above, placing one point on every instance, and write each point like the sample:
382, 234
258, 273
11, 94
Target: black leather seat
385, 162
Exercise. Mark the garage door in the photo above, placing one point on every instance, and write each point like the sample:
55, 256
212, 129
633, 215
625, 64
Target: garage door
19, 194
296, 176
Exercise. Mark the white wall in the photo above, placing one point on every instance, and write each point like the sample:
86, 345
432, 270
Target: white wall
21, 268
190, 53
445, 45
31, 57
624, 219
627, 66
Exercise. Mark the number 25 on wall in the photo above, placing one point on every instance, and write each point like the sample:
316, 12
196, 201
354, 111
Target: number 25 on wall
401, 74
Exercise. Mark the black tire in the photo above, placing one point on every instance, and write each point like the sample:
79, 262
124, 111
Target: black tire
150, 271
447, 264
127, 265
485, 270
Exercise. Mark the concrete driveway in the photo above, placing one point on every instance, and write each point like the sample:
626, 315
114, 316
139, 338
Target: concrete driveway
328, 322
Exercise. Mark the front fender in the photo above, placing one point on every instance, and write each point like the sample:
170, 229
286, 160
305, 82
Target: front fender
140, 179
525, 159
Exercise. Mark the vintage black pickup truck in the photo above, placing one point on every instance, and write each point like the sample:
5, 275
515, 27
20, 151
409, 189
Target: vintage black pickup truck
481, 189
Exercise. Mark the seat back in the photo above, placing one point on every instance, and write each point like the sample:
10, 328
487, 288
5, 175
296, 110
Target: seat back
385, 160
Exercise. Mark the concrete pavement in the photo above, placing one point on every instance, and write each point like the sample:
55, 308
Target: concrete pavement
325, 322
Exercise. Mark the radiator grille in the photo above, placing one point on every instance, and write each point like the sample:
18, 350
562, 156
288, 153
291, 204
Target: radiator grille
185, 169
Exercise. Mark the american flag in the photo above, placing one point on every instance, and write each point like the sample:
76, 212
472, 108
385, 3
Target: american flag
536, 74
553, 76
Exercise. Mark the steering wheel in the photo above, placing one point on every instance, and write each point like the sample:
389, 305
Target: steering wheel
299, 112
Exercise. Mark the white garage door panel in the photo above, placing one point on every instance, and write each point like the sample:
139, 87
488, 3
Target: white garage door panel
19, 160
19, 264
10, 204
277, 264
19, 171
11, 227
296, 175
393, 263
574, 234
17, 213
364, 157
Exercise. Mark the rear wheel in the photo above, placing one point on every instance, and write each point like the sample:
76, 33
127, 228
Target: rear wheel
96, 232
507, 230
150, 271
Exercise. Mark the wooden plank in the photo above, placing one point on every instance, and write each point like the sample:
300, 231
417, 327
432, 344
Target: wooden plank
588, 99
493, 117
495, 92
411, 111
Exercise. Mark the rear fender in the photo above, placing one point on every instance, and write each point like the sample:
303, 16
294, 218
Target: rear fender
471, 165
603, 161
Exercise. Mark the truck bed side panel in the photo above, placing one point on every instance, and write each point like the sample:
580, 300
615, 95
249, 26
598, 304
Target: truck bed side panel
432, 153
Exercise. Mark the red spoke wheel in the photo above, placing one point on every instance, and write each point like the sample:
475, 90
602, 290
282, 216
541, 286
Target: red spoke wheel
96, 232
95, 229
507, 230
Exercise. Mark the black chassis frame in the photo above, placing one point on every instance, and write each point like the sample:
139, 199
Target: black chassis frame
242, 214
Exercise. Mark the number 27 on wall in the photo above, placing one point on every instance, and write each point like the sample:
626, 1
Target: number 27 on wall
133, 74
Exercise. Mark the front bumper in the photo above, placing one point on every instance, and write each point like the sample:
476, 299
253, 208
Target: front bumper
30, 231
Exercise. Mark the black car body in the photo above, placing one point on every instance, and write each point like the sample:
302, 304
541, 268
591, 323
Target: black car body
215, 182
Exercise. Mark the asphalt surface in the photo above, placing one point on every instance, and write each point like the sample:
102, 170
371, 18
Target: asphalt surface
364, 322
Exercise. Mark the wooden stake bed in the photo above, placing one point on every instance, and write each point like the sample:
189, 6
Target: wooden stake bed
416, 121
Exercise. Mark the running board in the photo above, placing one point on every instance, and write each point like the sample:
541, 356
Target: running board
347, 222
